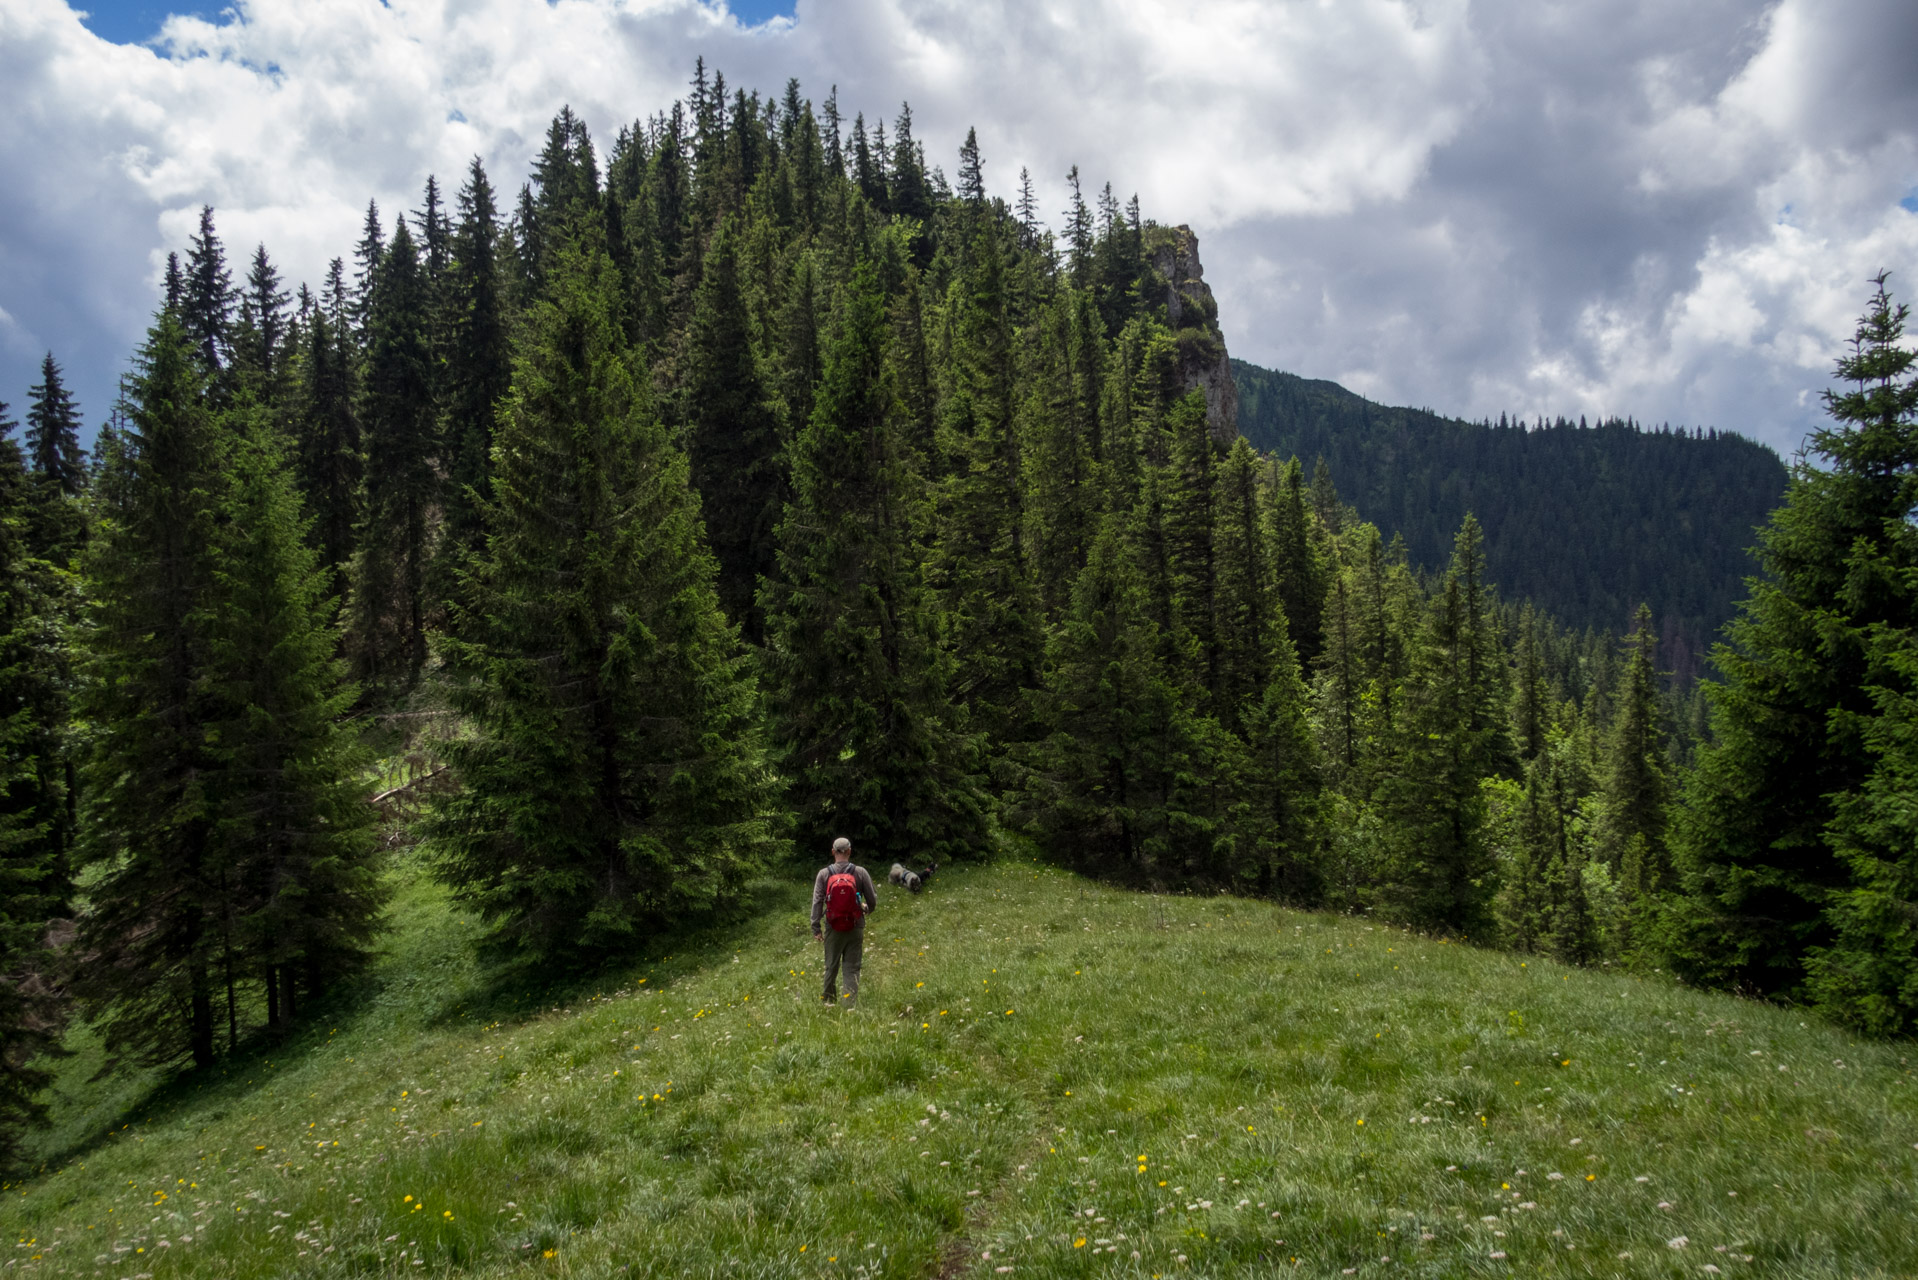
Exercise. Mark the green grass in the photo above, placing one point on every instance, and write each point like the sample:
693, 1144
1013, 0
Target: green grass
1046, 1075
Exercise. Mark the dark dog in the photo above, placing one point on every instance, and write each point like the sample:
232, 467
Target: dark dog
911, 881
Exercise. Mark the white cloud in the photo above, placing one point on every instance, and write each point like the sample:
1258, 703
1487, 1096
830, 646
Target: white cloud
1558, 208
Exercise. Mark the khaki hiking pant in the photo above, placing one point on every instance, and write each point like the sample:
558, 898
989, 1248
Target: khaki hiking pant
846, 948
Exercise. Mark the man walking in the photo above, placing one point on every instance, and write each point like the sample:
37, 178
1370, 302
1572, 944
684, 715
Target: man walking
842, 897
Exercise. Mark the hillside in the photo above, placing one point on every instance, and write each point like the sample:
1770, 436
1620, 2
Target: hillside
1585, 521
1048, 1078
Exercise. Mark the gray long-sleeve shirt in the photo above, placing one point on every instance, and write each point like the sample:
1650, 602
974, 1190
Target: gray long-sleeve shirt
819, 892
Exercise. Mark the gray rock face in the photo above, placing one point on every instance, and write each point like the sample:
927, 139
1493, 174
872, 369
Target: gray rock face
1193, 316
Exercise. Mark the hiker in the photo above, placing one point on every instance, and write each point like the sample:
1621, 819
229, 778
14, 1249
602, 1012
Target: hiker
842, 896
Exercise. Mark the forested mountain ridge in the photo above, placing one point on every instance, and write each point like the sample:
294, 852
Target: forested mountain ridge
758, 486
1586, 522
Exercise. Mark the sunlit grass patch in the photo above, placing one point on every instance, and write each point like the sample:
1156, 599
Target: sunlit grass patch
1045, 1075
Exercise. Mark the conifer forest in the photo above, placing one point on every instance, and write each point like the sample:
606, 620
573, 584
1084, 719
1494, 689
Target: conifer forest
742, 481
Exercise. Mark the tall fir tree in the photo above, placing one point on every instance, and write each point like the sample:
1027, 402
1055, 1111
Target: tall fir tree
1299, 563
35, 826
1762, 888
288, 824
856, 687
57, 468
151, 942
1190, 488
329, 464
398, 414
1635, 792
261, 333
366, 265
1455, 735
732, 433
1130, 778
979, 570
53, 432
478, 365
1246, 621
206, 300
615, 782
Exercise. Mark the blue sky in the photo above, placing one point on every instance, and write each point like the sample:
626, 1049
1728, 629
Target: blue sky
134, 21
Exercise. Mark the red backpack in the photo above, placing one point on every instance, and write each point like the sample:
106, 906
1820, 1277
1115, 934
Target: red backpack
842, 900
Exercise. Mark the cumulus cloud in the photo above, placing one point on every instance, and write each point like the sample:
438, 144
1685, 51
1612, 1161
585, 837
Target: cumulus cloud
1627, 206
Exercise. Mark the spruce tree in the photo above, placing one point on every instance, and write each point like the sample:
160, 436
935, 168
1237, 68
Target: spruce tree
1531, 714
152, 944
366, 264
732, 434
174, 288
206, 302
907, 193
289, 821
979, 571
1634, 791
1286, 815
57, 465
260, 335
1247, 624
1299, 563
1059, 422
1868, 976
329, 465
53, 432
797, 328
972, 177
478, 366
1189, 484
857, 691
1079, 232
1804, 687
34, 824
402, 478
614, 783
1111, 784
1454, 735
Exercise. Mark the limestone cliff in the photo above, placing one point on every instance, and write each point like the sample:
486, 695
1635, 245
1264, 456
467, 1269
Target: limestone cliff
1193, 316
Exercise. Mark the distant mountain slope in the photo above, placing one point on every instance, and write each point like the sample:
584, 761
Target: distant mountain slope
1584, 521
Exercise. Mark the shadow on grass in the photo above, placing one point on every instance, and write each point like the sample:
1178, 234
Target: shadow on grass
515, 988
427, 974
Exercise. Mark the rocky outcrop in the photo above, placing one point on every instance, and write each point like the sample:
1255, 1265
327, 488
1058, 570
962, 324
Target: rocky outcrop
1193, 316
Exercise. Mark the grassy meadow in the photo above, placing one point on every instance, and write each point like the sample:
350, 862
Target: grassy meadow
1046, 1078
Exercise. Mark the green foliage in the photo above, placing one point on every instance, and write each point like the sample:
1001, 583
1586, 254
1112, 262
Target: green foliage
1579, 520
329, 463
225, 837
1131, 777
856, 682
399, 422
979, 569
158, 890
285, 802
478, 366
613, 782
1806, 719
1454, 737
732, 434
53, 432
35, 825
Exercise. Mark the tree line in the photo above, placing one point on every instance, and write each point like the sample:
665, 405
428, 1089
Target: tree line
1585, 521
762, 485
